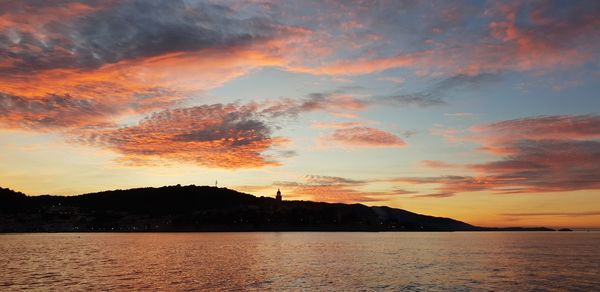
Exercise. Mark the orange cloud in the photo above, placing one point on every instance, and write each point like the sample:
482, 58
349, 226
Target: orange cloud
365, 137
223, 136
72, 98
132, 87
437, 164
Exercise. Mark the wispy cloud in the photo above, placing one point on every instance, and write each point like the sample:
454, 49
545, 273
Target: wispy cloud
564, 214
331, 189
565, 127
438, 164
434, 95
364, 137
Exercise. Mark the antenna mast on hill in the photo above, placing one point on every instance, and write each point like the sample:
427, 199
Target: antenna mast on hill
216, 184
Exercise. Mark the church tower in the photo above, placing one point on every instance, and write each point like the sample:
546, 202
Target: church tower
278, 196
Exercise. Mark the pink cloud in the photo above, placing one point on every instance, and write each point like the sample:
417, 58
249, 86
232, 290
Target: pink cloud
574, 127
438, 164
546, 37
365, 137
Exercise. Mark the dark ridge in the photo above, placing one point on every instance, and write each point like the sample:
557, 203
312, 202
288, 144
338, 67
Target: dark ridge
565, 229
12, 201
203, 208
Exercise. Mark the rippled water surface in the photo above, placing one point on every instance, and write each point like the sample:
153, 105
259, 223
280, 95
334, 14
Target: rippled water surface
501, 261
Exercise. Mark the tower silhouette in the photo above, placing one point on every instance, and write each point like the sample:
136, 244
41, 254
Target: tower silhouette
278, 196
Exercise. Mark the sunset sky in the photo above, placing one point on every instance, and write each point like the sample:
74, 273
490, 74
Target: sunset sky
486, 112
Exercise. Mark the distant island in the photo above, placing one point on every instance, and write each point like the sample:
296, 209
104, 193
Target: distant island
202, 208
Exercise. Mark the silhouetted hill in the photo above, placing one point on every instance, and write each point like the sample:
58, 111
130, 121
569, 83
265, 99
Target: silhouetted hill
11, 201
202, 208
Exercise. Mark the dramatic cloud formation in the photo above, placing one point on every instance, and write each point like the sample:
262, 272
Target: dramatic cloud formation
221, 82
112, 59
115, 58
113, 32
224, 136
365, 137
515, 35
227, 131
539, 154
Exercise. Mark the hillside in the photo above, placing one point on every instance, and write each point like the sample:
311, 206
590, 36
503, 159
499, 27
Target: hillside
202, 208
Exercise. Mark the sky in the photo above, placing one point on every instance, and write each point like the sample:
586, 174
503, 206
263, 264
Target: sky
483, 111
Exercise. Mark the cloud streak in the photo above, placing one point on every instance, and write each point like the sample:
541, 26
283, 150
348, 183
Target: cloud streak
332, 189
438, 164
564, 214
364, 137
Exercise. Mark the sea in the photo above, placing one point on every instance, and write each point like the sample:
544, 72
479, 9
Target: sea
301, 261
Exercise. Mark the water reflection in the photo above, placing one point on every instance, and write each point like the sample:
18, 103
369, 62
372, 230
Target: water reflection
339, 261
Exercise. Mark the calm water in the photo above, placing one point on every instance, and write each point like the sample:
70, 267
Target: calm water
501, 261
